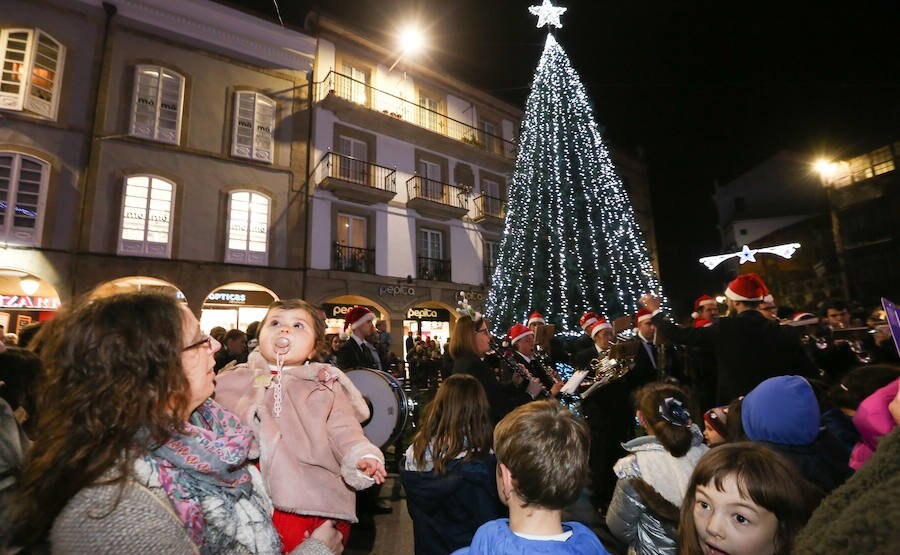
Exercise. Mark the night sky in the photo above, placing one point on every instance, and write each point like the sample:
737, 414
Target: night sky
707, 89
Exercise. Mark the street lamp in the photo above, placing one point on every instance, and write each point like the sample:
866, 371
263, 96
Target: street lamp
410, 42
828, 171
29, 285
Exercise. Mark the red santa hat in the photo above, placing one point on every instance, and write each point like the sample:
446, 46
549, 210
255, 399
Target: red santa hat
747, 287
702, 323
702, 300
600, 324
536, 318
642, 315
356, 316
587, 320
518, 332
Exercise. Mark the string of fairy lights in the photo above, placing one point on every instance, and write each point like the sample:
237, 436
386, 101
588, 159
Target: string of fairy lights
571, 242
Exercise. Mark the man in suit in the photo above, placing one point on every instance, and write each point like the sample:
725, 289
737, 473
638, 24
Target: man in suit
749, 348
357, 352
521, 339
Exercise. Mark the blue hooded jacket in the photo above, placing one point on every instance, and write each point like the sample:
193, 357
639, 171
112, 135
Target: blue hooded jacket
781, 410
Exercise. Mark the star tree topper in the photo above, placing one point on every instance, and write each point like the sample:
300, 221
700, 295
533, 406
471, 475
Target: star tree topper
548, 14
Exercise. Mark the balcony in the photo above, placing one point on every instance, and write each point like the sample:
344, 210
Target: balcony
433, 269
489, 211
355, 180
437, 199
359, 103
352, 259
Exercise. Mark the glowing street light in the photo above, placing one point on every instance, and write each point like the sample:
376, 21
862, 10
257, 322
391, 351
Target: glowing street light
410, 41
825, 169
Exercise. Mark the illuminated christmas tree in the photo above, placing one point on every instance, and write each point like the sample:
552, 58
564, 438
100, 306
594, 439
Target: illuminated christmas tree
570, 242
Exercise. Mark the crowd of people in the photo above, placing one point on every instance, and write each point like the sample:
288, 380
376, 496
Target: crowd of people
743, 433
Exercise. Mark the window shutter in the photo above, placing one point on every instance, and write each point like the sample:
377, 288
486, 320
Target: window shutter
156, 104
263, 137
46, 75
23, 192
15, 52
146, 224
6, 183
254, 126
242, 138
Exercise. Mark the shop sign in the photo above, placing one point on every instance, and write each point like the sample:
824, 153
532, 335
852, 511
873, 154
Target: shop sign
425, 313
340, 310
473, 296
240, 298
396, 290
29, 302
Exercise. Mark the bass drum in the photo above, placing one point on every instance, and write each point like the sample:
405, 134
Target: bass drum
387, 402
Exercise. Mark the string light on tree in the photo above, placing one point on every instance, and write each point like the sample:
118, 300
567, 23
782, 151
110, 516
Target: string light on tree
570, 242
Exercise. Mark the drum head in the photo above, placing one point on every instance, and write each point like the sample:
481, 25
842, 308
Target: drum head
387, 403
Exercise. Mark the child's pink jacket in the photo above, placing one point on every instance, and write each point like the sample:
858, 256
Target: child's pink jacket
308, 454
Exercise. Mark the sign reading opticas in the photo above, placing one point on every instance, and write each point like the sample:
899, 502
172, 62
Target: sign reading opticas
238, 297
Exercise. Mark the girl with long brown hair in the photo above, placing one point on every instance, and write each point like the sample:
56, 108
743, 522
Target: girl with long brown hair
449, 470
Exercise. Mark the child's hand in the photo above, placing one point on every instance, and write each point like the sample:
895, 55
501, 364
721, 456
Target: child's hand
373, 468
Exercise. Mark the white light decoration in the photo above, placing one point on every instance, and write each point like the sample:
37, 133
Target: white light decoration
746, 254
570, 242
29, 285
547, 14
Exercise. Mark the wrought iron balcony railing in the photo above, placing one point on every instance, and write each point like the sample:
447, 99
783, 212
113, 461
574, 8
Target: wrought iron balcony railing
339, 166
352, 259
433, 268
488, 206
364, 94
437, 191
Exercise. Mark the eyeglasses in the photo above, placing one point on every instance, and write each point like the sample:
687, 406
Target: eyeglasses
205, 340
484, 331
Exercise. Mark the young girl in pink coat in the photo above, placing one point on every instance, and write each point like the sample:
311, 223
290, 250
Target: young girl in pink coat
306, 415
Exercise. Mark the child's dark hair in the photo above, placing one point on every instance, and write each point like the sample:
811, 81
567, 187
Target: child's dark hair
457, 419
675, 435
763, 476
545, 447
318, 322
861, 382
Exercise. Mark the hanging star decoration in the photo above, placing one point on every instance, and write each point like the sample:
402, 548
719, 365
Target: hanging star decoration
547, 14
746, 254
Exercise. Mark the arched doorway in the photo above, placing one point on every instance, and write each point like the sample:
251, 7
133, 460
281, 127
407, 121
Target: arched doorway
336, 308
25, 299
428, 320
137, 283
235, 305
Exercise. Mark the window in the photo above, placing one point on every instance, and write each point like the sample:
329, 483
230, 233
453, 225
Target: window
351, 231
254, 126
491, 252
488, 134
353, 166
23, 194
431, 244
432, 186
156, 104
147, 217
491, 191
356, 87
429, 113
32, 72
248, 228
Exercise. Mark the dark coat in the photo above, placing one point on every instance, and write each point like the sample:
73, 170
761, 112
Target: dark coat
748, 348
861, 515
823, 462
502, 398
446, 510
351, 355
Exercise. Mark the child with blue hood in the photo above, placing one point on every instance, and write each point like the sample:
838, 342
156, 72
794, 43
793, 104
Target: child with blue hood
783, 413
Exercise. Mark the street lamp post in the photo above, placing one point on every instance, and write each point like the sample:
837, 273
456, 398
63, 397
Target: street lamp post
827, 171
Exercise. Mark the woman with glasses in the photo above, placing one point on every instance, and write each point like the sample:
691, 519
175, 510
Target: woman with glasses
131, 454
469, 345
